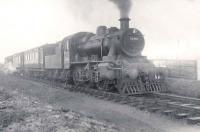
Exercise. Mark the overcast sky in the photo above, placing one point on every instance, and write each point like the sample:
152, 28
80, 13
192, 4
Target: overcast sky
171, 27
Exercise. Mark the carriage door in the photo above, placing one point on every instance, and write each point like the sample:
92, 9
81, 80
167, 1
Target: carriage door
66, 55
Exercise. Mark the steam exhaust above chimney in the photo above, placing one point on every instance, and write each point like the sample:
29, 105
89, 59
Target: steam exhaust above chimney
124, 23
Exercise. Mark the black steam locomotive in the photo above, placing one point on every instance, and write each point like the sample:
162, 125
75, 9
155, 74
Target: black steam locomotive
109, 60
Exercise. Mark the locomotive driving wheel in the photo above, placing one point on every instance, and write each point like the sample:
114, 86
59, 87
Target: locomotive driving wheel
75, 77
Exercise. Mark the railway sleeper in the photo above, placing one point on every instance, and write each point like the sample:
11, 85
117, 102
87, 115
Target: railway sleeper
154, 109
100, 95
189, 107
110, 97
182, 115
141, 107
117, 100
193, 120
169, 112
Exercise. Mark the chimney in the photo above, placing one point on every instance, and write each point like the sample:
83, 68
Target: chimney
124, 23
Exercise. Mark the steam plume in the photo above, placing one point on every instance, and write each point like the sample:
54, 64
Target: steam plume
124, 6
7, 68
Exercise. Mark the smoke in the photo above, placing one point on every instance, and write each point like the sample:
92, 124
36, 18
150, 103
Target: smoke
7, 68
124, 7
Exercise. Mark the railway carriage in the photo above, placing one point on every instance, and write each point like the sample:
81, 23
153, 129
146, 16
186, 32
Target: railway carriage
9, 60
18, 61
33, 61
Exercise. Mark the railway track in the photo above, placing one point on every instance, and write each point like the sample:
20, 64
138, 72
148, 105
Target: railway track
177, 107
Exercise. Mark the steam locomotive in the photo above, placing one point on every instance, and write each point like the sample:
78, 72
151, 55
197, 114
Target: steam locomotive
109, 60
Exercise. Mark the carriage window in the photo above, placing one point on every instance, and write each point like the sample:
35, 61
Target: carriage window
67, 45
34, 55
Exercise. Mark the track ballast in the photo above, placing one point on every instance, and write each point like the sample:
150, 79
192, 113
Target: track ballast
177, 107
